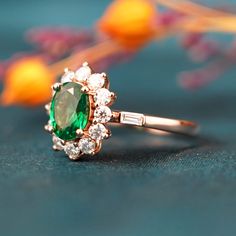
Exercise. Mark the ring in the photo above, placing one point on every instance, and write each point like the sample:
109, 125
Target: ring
80, 110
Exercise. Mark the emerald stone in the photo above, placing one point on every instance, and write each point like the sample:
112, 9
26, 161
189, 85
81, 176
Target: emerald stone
69, 111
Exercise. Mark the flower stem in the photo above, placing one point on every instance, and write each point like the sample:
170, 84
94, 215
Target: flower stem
201, 18
194, 9
91, 55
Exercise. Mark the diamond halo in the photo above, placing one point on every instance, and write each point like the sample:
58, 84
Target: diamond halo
88, 140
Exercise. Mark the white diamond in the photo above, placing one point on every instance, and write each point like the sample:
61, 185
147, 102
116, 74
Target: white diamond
96, 81
102, 96
97, 131
83, 73
68, 77
87, 145
57, 143
102, 114
72, 151
131, 118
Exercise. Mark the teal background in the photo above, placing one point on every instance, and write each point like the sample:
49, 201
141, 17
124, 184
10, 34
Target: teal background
139, 184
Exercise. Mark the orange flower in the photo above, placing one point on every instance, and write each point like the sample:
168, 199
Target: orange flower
27, 82
130, 22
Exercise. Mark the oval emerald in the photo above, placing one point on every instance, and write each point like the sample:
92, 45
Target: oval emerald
69, 111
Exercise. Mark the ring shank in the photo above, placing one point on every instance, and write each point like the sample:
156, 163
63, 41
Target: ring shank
154, 122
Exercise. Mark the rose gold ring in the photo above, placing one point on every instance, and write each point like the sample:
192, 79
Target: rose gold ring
80, 111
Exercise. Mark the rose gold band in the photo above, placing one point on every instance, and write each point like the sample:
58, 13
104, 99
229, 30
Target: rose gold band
154, 122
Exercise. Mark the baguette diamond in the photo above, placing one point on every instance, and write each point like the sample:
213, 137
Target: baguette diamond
131, 118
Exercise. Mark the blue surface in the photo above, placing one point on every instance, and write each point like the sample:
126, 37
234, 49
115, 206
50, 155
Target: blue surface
139, 184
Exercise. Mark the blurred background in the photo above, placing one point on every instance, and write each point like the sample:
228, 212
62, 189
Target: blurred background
139, 184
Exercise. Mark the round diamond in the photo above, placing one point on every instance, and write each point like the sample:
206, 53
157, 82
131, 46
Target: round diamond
102, 96
72, 151
57, 143
97, 131
83, 73
87, 145
102, 114
96, 81
68, 77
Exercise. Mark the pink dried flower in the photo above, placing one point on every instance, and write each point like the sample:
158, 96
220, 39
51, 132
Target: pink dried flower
58, 41
191, 39
204, 49
201, 77
168, 18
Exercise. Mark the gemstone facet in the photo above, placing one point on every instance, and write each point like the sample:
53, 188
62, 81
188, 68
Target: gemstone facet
102, 114
96, 81
69, 111
67, 77
102, 96
97, 131
72, 151
87, 145
83, 73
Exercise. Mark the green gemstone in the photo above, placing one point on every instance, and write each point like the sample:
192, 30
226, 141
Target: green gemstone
69, 111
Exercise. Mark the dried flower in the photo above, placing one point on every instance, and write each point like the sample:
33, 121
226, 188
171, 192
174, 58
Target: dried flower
126, 26
203, 76
130, 22
27, 82
57, 41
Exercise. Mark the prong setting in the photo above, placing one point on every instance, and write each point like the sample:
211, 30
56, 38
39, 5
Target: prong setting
48, 128
84, 89
56, 87
107, 135
104, 74
47, 106
66, 70
79, 132
113, 96
54, 147
88, 141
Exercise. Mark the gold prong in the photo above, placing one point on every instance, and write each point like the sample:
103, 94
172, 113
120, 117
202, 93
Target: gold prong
113, 96
114, 115
93, 153
84, 89
63, 142
79, 132
98, 147
85, 63
48, 128
94, 122
47, 106
56, 86
107, 135
75, 158
106, 81
104, 74
54, 147
66, 70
